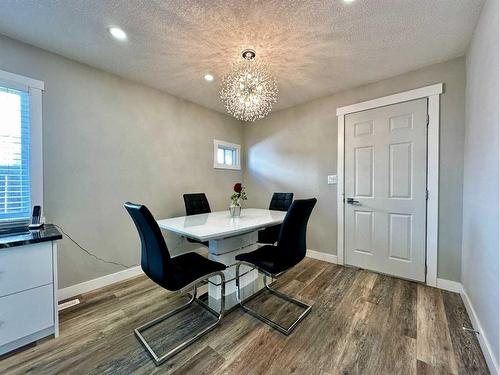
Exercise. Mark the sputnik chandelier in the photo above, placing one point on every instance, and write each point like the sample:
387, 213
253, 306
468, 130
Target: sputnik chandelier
249, 91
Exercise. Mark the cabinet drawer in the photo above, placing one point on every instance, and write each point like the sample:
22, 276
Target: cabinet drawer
25, 267
24, 313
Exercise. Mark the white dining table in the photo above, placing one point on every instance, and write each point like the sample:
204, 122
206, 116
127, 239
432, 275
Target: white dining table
227, 237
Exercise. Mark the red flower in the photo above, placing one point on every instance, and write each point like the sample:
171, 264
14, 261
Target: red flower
237, 187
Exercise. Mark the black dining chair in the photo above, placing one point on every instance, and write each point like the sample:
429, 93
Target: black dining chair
196, 203
279, 202
273, 261
179, 273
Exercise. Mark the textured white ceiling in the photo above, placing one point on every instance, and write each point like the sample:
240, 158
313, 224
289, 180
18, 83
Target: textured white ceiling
314, 48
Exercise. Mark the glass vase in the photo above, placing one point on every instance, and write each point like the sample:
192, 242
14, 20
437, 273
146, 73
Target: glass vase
235, 211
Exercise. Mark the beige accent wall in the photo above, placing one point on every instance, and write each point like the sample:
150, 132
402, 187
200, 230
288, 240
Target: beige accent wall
296, 148
480, 267
108, 140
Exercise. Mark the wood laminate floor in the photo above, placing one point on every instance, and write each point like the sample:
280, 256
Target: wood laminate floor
361, 323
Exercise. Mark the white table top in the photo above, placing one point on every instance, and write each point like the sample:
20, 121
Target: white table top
217, 225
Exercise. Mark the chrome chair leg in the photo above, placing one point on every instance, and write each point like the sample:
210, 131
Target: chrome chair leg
160, 359
285, 330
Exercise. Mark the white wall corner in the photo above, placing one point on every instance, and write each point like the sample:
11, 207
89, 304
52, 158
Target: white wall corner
449, 285
330, 258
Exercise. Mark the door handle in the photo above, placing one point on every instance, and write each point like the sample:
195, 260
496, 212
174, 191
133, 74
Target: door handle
352, 201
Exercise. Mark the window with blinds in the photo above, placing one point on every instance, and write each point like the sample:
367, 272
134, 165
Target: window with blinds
15, 186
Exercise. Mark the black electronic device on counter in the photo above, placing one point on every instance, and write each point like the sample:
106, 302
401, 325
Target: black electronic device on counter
36, 218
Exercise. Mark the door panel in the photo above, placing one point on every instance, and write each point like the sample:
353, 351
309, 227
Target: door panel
385, 172
363, 170
400, 227
363, 128
400, 170
363, 229
401, 122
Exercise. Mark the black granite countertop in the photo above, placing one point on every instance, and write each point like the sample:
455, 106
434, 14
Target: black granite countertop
25, 237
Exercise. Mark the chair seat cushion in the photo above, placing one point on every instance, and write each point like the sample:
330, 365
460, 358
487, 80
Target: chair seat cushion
269, 259
189, 267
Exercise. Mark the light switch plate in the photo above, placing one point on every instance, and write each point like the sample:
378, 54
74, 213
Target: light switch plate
332, 179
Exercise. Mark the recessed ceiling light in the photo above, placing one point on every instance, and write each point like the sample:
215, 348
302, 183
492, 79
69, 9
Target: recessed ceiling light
118, 33
209, 77
348, 1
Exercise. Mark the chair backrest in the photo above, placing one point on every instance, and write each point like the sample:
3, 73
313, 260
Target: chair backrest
196, 203
292, 238
281, 201
155, 258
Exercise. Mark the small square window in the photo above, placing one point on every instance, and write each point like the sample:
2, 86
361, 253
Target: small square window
226, 155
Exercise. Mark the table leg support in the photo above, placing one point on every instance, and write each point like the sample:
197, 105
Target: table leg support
225, 251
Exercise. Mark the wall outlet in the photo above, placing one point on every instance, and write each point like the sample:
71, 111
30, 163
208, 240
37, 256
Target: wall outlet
332, 179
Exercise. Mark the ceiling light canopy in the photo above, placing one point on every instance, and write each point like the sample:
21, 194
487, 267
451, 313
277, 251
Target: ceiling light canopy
209, 77
118, 33
249, 90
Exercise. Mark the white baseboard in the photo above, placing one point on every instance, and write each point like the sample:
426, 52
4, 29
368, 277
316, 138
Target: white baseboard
330, 258
449, 285
100, 282
483, 340
90, 285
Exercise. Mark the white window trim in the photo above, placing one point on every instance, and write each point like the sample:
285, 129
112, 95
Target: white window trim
34, 88
235, 146
432, 93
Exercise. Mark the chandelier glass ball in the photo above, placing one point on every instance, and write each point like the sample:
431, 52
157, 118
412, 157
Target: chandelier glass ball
249, 91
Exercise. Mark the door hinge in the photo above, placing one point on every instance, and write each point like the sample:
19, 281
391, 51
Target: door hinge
427, 195
428, 120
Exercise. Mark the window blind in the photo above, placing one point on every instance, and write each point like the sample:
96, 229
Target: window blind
15, 184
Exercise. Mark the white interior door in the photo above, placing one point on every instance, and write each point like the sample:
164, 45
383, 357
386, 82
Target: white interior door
385, 189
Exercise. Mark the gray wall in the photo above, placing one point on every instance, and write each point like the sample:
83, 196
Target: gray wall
108, 140
295, 149
480, 202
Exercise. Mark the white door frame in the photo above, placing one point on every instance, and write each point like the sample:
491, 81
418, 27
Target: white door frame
432, 94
